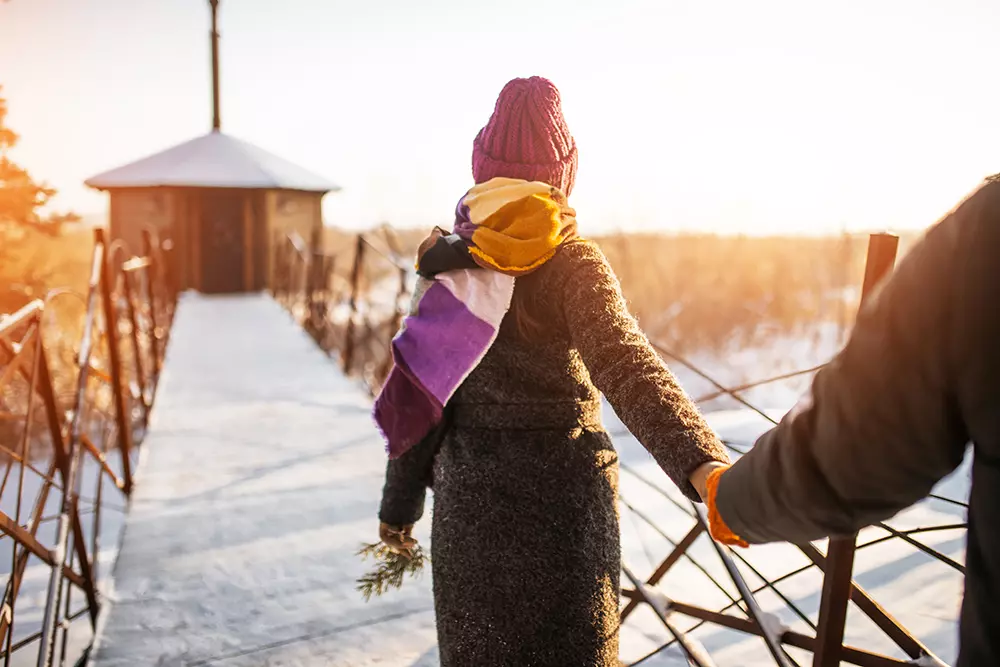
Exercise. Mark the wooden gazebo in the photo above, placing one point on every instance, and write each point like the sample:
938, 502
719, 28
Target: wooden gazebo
222, 202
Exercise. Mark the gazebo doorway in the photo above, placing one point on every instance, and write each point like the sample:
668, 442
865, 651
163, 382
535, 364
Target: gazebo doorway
224, 237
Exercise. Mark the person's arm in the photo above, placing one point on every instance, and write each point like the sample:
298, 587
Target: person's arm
407, 478
633, 377
883, 422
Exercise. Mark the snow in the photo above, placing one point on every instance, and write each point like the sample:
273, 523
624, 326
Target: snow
261, 480
214, 160
262, 477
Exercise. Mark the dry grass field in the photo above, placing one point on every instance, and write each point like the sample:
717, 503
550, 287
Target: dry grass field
695, 292
701, 291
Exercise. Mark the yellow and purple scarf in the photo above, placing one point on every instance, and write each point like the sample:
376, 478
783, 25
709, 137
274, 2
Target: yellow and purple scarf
504, 228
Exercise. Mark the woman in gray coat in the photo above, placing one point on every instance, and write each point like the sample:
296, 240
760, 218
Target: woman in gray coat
525, 534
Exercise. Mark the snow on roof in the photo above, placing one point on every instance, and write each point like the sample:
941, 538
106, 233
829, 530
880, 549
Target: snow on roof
215, 160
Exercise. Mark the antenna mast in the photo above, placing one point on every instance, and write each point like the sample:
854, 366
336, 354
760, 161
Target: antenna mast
216, 118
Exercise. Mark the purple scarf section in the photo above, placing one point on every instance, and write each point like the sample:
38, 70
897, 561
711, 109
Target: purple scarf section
453, 320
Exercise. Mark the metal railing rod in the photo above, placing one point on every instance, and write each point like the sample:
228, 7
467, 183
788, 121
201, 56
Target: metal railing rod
71, 557
695, 652
771, 638
758, 383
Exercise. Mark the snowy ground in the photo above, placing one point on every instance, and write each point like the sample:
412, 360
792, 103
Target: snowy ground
261, 480
262, 477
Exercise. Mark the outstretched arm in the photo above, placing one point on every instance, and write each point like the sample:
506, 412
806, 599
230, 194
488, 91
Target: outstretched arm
884, 421
633, 377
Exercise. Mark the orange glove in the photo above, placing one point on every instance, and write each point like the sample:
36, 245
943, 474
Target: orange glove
716, 525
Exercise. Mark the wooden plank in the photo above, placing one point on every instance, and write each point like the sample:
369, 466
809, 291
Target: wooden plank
180, 237
248, 244
271, 235
194, 218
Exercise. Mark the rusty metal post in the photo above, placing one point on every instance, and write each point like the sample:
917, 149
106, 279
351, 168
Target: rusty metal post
394, 324
111, 321
136, 348
151, 281
287, 266
326, 276
276, 268
68, 526
347, 357
882, 250
168, 273
840, 553
216, 115
314, 258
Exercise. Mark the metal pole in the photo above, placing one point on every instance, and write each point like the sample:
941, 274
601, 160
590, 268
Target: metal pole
840, 552
216, 118
693, 650
359, 258
140, 370
69, 518
315, 257
771, 638
111, 323
154, 341
395, 323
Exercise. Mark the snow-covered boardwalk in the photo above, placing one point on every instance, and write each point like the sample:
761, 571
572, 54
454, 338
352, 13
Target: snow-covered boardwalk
260, 479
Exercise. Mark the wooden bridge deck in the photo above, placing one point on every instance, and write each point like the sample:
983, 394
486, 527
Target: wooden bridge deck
260, 479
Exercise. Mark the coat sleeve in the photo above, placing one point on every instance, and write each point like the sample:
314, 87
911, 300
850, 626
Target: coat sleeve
883, 422
623, 365
407, 479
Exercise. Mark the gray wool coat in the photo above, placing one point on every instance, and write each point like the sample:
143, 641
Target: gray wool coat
525, 537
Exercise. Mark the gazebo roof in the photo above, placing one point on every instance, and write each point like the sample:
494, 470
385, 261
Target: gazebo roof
215, 160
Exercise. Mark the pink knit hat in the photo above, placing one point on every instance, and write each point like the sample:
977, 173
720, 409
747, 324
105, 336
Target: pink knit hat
526, 137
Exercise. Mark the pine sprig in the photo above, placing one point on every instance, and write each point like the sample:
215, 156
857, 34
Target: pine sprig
390, 568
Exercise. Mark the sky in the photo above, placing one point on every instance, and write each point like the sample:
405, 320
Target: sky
730, 116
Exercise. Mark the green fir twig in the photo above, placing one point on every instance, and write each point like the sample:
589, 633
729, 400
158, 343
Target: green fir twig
390, 568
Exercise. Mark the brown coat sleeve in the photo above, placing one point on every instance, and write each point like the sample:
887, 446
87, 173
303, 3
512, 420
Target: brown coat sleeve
884, 421
633, 377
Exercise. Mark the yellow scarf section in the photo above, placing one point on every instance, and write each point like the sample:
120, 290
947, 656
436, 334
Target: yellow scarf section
519, 224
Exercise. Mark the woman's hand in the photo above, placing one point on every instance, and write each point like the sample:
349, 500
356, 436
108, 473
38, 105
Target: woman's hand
397, 538
699, 477
705, 479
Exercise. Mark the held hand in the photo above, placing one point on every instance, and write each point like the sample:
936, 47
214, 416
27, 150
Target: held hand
706, 480
700, 475
397, 538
